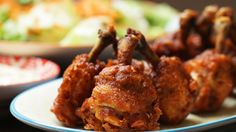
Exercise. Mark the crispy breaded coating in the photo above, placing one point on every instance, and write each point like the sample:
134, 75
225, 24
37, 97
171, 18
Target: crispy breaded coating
172, 83
77, 85
212, 73
122, 99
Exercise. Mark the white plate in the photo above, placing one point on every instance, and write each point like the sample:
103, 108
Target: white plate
37, 49
59, 54
33, 108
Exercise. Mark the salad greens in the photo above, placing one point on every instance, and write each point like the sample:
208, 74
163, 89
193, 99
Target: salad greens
149, 18
4, 14
25, 2
72, 23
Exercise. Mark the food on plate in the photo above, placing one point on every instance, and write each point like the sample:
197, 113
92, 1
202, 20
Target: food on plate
172, 84
195, 33
123, 98
231, 41
78, 80
127, 94
180, 43
204, 25
211, 70
200, 38
73, 22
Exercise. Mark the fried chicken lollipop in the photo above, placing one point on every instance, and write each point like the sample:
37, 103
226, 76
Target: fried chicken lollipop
171, 82
204, 25
78, 80
211, 71
194, 35
231, 38
124, 99
177, 44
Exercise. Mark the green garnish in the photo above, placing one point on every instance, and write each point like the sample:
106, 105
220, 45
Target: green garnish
26, 2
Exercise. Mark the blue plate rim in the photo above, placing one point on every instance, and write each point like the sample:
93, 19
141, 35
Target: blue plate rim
22, 118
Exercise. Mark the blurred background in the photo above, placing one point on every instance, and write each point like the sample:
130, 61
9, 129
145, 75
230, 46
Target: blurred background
198, 5
60, 29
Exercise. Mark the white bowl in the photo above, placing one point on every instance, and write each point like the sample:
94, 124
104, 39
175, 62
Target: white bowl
42, 70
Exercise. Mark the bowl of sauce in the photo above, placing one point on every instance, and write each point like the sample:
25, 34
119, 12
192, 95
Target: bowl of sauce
20, 73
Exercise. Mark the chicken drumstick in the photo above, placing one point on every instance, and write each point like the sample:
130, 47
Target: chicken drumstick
123, 98
177, 44
78, 80
171, 82
211, 71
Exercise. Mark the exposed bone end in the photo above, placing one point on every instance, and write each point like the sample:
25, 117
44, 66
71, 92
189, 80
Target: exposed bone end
208, 15
109, 32
187, 18
225, 11
126, 48
106, 37
221, 28
187, 22
144, 48
210, 10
